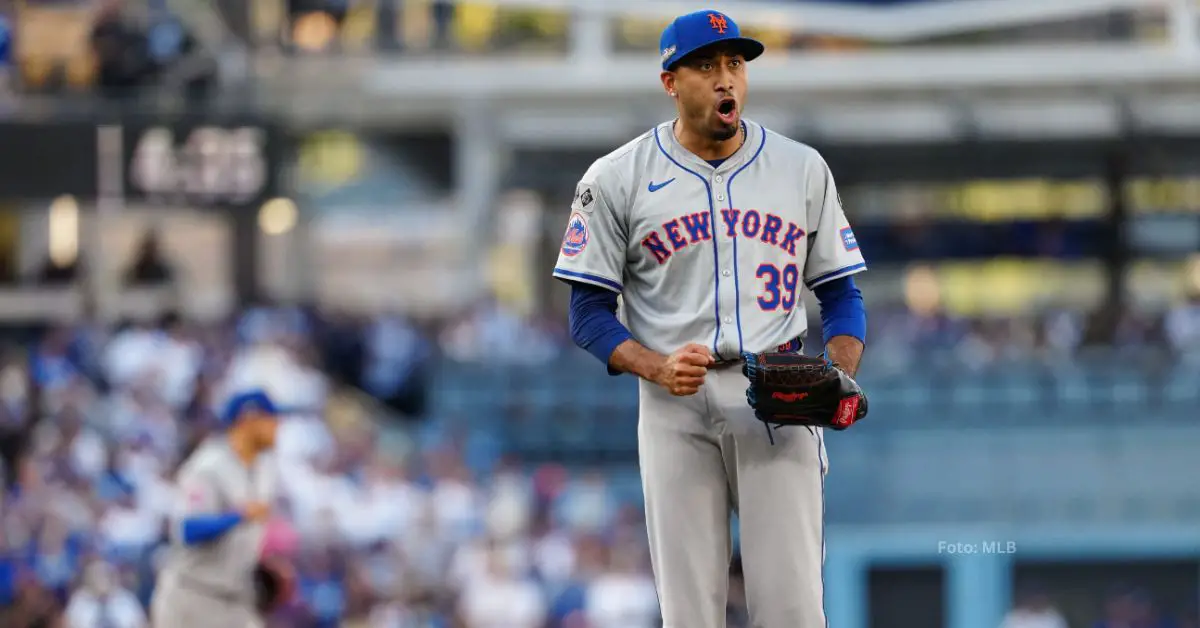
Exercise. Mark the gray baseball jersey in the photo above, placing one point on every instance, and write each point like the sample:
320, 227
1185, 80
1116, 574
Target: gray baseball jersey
719, 256
215, 480
716, 256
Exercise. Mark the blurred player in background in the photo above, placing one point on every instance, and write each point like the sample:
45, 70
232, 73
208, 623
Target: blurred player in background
226, 488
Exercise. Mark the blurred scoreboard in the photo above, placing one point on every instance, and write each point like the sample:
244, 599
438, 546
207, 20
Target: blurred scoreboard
197, 162
176, 161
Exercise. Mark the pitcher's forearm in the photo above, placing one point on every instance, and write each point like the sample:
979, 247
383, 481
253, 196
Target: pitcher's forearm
631, 357
846, 351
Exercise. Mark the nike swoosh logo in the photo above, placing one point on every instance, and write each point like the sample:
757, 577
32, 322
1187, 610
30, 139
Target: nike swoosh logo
655, 188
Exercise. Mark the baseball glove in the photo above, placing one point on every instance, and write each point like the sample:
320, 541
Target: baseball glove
274, 584
796, 389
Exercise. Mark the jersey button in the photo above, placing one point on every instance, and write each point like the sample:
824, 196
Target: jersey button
720, 197
728, 320
717, 178
725, 273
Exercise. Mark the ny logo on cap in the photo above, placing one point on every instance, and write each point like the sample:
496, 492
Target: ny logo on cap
717, 22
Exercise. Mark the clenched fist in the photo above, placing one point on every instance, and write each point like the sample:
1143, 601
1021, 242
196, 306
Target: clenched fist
683, 372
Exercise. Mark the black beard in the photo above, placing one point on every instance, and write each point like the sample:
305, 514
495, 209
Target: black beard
724, 132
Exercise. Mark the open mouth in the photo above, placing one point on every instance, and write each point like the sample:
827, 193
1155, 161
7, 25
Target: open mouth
727, 110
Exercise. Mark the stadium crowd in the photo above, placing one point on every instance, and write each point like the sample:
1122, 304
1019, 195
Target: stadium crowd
382, 533
391, 523
388, 522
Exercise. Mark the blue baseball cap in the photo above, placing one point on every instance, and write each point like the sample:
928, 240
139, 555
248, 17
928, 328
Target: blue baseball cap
691, 32
256, 400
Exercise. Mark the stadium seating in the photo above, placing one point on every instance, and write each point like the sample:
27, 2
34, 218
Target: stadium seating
1012, 443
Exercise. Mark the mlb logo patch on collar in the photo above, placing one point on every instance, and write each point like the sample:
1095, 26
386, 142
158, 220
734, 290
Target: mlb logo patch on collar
848, 239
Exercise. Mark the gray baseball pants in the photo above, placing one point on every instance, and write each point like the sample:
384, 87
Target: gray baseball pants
704, 457
176, 605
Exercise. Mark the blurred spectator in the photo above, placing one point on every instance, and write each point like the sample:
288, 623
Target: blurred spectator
10, 574
177, 57
1131, 606
103, 603
33, 606
588, 505
52, 365
555, 558
131, 353
126, 531
443, 23
493, 333
122, 51
54, 273
387, 35
323, 581
428, 556
6, 54
179, 359
509, 509
5, 44
624, 595
342, 344
1062, 331
15, 418
137, 47
86, 452
1183, 325
282, 324
455, 500
396, 364
501, 597
1034, 609
149, 267
58, 558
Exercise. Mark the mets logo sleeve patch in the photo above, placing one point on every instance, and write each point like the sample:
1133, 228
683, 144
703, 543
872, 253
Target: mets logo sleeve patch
594, 245
576, 238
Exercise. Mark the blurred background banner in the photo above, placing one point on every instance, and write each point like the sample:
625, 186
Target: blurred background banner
382, 186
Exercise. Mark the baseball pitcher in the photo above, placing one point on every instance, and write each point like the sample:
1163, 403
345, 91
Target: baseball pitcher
214, 576
710, 227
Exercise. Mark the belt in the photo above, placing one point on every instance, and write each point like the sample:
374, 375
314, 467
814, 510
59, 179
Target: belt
795, 345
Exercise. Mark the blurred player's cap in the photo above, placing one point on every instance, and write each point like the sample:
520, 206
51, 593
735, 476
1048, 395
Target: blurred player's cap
262, 379
691, 32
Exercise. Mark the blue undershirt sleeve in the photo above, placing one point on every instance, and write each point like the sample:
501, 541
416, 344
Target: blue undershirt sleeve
842, 310
594, 324
198, 529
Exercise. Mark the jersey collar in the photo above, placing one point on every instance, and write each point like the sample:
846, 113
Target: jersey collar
754, 137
